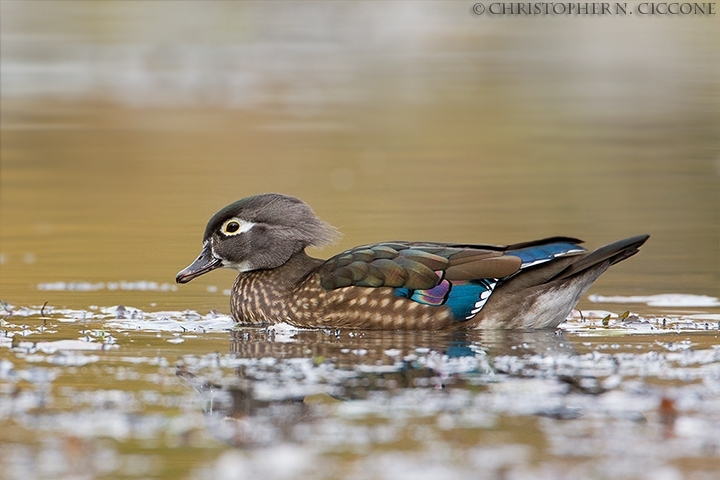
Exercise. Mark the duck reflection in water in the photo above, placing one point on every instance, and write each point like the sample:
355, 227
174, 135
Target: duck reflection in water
283, 390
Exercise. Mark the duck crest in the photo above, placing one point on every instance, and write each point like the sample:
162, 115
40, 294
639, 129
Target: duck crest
392, 285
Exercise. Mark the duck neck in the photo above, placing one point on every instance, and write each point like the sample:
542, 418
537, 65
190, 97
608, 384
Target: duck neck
292, 271
262, 296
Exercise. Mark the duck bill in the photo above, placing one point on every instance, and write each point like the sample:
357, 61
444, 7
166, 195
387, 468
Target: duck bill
205, 263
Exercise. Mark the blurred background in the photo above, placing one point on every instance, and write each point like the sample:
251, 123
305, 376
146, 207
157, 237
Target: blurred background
126, 125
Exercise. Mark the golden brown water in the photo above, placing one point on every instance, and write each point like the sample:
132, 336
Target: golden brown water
105, 194
124, 126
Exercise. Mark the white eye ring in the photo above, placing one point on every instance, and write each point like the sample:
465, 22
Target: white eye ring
235, 226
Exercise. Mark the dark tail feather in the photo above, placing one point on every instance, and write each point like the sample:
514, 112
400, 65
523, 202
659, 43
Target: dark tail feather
615, 252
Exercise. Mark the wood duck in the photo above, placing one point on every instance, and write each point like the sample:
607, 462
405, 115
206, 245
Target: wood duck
392, 285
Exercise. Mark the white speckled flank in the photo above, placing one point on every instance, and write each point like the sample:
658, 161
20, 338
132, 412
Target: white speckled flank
258, 298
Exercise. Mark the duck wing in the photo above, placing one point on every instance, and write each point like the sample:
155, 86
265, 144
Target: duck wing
423, 265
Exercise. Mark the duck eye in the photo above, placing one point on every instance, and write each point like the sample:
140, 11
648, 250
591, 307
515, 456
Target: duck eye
235, 226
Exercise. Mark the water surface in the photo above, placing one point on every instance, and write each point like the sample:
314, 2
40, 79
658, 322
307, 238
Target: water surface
125, 126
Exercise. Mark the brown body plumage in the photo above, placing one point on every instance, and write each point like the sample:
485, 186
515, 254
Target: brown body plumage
293, 294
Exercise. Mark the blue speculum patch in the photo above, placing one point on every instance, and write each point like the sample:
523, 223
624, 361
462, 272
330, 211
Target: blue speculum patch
465, 297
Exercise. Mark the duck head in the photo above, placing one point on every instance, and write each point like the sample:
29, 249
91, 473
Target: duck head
258, 232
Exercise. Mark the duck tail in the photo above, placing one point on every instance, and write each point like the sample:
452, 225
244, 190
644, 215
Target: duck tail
612, 253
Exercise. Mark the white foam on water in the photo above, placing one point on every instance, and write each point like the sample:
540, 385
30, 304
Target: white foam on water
283, 332
63, 345
712, 317
592, 314
174, 322
661, 300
